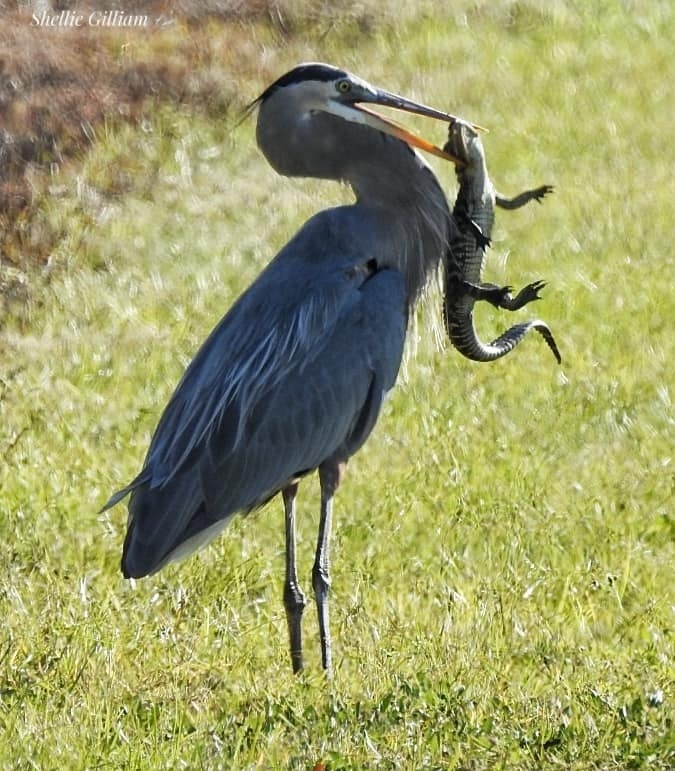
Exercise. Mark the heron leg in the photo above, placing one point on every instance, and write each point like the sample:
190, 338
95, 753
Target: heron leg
330, 474
294, 599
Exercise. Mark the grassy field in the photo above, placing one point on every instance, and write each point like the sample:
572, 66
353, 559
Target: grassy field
504, 545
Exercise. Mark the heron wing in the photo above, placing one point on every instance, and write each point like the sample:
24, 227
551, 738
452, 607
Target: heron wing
322, 408
294, 373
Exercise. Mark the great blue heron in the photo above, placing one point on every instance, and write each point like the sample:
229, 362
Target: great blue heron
293, 377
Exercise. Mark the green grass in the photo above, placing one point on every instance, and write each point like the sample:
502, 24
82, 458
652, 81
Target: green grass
504, 546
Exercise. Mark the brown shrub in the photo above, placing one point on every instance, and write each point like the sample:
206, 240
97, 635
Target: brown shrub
59, 84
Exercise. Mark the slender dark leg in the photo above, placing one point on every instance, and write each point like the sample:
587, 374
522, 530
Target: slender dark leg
294, 599
330, 474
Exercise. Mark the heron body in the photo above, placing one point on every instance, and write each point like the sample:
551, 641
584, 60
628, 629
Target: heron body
291, 375
292, 379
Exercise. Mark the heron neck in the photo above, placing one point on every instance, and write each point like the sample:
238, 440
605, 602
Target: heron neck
405, 203
406, 199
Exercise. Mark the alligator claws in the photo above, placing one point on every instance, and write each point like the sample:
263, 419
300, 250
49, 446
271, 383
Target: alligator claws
501, 297
541, 192
527, 295
520, 200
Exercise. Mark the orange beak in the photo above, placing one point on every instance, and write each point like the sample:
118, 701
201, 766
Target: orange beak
389, 126
377, 96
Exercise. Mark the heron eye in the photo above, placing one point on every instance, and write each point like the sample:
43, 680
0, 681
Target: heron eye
343, 86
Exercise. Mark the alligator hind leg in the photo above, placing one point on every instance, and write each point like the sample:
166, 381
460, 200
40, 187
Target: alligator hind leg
501, 297
526, 295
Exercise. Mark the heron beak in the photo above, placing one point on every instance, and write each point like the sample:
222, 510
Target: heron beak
386, 99
394, 129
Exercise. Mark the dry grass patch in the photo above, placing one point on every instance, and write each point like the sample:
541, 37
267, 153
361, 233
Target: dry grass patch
61, 87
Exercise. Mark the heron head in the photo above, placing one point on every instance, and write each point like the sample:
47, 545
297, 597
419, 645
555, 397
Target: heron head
314, 88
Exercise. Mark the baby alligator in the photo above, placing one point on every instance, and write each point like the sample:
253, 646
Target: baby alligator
474, 215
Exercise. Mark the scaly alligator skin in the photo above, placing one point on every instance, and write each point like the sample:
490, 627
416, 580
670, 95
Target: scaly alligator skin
474, 215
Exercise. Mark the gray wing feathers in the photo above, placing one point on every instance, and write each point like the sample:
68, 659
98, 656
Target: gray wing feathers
294, 374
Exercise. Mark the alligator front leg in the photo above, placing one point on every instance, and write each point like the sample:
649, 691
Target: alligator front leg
525, 197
